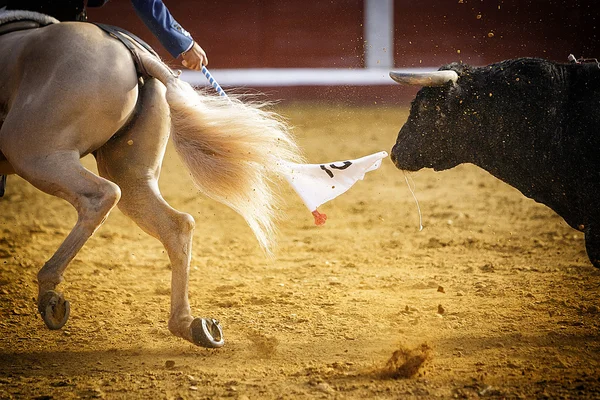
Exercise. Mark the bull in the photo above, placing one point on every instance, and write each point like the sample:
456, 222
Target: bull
532, 123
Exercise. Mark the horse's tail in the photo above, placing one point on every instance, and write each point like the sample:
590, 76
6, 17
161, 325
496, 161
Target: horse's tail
232, 149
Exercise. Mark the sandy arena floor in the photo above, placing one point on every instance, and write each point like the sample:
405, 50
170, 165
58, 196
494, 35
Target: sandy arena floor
498, 287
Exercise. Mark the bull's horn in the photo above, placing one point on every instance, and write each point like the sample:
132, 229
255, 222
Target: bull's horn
437, 78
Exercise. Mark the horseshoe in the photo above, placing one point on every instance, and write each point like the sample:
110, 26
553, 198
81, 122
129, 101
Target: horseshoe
207, 333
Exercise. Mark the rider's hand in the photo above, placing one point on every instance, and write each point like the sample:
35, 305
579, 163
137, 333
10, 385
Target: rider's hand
194, 58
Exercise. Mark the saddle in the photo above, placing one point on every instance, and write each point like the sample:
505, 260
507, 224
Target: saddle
18, 20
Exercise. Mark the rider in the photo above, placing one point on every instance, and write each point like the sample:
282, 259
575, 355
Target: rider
176, 40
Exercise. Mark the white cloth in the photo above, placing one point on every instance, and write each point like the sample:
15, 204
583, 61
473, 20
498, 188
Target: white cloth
318, 183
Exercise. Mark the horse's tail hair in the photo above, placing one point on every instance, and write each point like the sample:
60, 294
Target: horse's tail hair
233, 149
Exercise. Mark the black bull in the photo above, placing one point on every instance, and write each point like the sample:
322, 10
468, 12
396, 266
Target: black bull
532, 123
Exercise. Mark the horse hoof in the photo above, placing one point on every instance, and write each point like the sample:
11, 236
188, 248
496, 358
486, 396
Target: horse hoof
54, 309
207, 333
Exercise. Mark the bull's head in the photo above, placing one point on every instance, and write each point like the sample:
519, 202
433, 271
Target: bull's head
429, 138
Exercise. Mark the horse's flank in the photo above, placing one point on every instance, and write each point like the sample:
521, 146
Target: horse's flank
51, 81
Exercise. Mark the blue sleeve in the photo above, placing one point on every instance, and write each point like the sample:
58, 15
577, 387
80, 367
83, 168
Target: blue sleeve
159, 20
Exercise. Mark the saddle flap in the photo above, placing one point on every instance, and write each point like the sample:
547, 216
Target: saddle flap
133, 43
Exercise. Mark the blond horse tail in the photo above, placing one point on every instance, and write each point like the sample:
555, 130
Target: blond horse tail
234, 150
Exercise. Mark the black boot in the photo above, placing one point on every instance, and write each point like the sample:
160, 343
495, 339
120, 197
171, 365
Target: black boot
2, 184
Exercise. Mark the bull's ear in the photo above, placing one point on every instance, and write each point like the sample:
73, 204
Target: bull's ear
437, 78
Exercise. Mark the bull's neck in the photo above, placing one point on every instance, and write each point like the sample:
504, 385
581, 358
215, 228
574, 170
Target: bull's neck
533, 169
524, 174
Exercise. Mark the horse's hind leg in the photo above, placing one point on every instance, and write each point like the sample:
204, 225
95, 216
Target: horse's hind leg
133, 160
61, 174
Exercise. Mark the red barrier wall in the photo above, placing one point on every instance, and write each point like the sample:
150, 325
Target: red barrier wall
303, 33
329, 34
260, 33
433, 32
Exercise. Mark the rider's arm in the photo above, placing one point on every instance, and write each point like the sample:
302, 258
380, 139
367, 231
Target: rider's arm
170, 33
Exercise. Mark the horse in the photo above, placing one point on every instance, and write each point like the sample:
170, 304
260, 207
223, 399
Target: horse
69, 89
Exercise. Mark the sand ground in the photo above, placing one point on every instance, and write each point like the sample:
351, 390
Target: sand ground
497, 286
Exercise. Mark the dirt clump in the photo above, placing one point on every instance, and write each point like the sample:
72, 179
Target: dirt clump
405, 363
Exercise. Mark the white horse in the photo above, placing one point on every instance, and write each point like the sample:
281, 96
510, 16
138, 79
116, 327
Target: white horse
69, 89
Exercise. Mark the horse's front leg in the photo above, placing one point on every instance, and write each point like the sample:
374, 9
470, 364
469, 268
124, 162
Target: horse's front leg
60, 173
133, 161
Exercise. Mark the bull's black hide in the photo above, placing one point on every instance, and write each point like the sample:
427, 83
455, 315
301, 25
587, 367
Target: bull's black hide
532, 123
